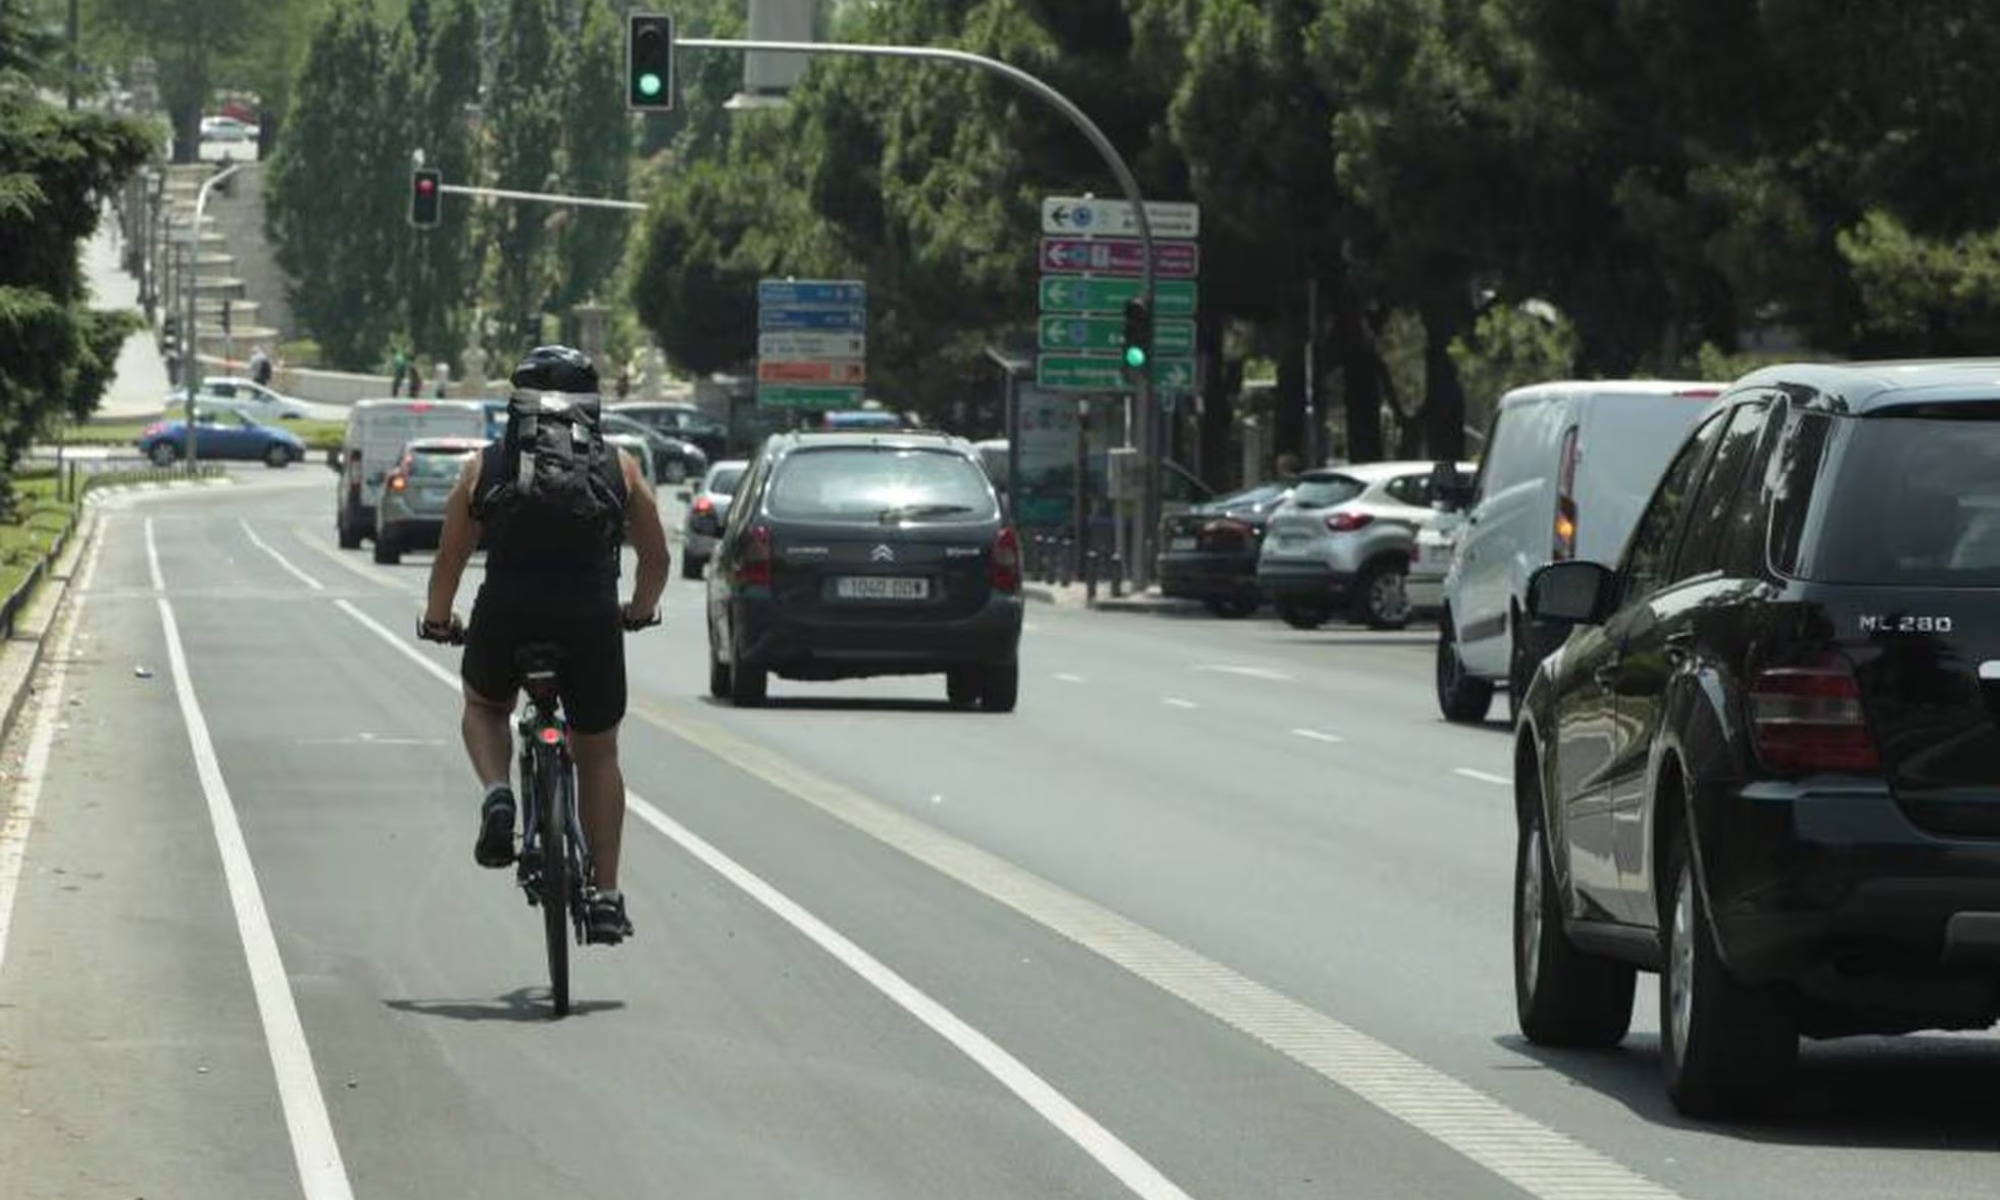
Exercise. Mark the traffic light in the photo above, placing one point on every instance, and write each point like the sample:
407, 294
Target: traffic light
649, 62
1138, 347
426, 197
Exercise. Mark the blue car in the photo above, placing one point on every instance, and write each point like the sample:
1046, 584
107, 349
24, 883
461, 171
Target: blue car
221, 436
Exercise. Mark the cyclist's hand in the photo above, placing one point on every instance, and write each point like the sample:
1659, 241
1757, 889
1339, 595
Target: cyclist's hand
450, 631
634, 619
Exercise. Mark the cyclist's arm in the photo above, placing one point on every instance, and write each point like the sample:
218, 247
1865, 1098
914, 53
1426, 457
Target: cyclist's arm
455, 545
648, 536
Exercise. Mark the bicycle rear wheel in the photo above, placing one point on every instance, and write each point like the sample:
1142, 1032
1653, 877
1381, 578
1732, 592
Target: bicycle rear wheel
549, 787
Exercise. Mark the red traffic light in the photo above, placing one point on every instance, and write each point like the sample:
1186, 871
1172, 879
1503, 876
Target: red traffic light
426, 197
425, 185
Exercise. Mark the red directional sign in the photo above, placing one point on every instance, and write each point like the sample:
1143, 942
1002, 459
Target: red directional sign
1118, 256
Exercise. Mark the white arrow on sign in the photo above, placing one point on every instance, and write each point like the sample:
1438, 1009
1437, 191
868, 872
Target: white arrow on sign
1080, 216
794, 344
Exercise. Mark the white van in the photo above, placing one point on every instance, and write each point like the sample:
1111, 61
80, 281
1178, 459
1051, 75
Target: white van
1567, 469
377, 431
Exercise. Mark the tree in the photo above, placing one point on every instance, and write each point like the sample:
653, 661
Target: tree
189, 39
439, 273
597, 156
524, 113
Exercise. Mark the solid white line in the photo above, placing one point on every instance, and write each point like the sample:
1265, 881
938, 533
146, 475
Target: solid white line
405, 646
1317, 736
153, 560
1080, 1127
282, 561
1177, 702
322, 1174
20, 818
1482, 776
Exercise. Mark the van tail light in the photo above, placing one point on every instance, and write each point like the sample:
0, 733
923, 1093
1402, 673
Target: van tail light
1807, 717
1006, 563
398, 482
1348, 522
1563, 545
755, 565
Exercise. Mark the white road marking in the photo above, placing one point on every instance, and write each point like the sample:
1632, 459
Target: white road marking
1318, 735
1094, 1139
20, 817
1482, 776
284, 562
1177, 702
1251, 672
1066, 677
322, 1174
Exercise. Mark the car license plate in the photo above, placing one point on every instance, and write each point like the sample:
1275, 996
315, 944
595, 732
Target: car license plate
882, 587
1180, 543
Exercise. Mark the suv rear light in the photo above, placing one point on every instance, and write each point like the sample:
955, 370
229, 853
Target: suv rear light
755, 567
1348, 522
1563, 545
704, 505
1006, 565
1227, 529
397, 482
1807, 717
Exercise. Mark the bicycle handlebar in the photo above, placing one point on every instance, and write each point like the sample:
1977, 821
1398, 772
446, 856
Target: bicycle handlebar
453, 633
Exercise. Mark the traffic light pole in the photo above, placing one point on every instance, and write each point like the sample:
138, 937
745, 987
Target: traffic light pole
1152, 451
541, 197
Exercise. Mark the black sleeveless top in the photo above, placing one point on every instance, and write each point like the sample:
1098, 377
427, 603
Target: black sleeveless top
517, 568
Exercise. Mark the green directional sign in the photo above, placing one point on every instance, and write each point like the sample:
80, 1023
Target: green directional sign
1108, 333
807, 395
1094, 373
1070, 294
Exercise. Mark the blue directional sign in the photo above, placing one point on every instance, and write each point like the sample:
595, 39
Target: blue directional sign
828, 293
855, 319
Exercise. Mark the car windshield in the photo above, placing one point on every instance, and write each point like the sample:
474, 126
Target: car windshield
1913, 501
886, 483
724, 481
437, 462
1323, 491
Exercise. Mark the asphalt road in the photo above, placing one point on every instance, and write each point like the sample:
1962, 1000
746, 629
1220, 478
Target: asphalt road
1220, 912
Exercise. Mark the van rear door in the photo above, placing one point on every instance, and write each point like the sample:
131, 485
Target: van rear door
384, 429
1624, 442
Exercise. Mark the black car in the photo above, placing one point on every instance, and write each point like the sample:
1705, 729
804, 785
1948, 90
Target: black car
1209, 553
856, 554
675, 461
1766, 761
683, 421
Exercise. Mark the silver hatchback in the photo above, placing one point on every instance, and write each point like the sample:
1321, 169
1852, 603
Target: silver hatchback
1342, 541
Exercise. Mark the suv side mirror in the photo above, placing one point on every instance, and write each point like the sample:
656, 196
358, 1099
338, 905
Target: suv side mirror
1572, 592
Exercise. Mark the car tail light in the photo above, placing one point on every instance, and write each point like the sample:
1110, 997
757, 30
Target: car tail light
755, 567
1564, 543
1224, 529
156, 427
1006, 564
1348, 522
1807, 717
704, 506
398, 482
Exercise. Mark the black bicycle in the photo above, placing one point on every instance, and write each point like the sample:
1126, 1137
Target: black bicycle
553, 868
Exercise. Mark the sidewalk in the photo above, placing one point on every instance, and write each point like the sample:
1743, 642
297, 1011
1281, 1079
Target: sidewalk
139, 389
1075, 595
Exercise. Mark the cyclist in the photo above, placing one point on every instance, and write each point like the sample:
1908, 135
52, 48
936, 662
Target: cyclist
566, 593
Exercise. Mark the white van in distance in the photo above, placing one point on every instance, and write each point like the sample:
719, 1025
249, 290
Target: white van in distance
377, 431
1566, 471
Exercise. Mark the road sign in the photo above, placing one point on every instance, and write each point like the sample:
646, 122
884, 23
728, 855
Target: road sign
823, 319
823, 370
1094, 373
810, 293
1119, 256
796, 345
1108, 333
1065, 294
808, 395
1078, 216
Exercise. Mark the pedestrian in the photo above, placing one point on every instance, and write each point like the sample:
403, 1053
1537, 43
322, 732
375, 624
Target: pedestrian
1287, 468
624, 381
440, 378
398, 367
260, 367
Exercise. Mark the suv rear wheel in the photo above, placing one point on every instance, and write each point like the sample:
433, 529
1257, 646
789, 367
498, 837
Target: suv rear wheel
1562, 996
1461, 695
1380, 600
1000, 687
1728, 1047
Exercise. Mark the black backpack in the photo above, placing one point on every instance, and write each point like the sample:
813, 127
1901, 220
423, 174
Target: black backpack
559, 494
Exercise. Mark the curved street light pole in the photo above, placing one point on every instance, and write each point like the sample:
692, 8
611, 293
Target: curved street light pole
1150, 427
190, 270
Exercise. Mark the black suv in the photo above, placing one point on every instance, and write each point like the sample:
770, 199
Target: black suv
855, 554
1766, 761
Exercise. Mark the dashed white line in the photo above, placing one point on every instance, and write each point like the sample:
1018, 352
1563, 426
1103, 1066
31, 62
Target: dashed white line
284, 562
1318, 735
1482, 776
1066, 677
1177, 702
322, 1174
1251, 672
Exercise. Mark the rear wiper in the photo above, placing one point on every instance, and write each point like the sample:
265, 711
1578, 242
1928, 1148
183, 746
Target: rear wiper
901, 511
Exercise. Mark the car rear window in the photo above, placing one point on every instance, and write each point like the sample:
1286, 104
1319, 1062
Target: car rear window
437, 463
724, 481
865, 483
1322, 491
1913, 501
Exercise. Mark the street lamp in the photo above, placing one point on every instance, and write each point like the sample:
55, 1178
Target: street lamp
190, 271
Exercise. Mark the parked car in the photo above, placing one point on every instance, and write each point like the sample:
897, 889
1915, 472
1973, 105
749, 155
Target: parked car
409, 513
856, 554
221, 436
1342, 539
1209, 552
683, 421
707, 509
377, 431
252, 400
1765, 763
1437, 538
1566, 469
674, 460
227, 129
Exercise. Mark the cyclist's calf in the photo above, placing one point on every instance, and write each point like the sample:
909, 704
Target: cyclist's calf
600, 794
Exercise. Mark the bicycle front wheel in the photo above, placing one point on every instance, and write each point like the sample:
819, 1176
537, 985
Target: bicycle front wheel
550, 786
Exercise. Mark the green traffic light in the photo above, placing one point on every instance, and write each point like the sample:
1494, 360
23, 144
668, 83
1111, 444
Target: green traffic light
1135, 357
649, 84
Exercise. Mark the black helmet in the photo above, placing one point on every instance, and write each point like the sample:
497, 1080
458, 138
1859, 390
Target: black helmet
556, 369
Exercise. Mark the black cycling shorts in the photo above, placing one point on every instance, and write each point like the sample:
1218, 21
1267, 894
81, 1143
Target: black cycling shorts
589, 631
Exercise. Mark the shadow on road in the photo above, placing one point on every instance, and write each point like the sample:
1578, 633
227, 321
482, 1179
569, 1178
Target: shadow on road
521, 1004
1918, 1092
